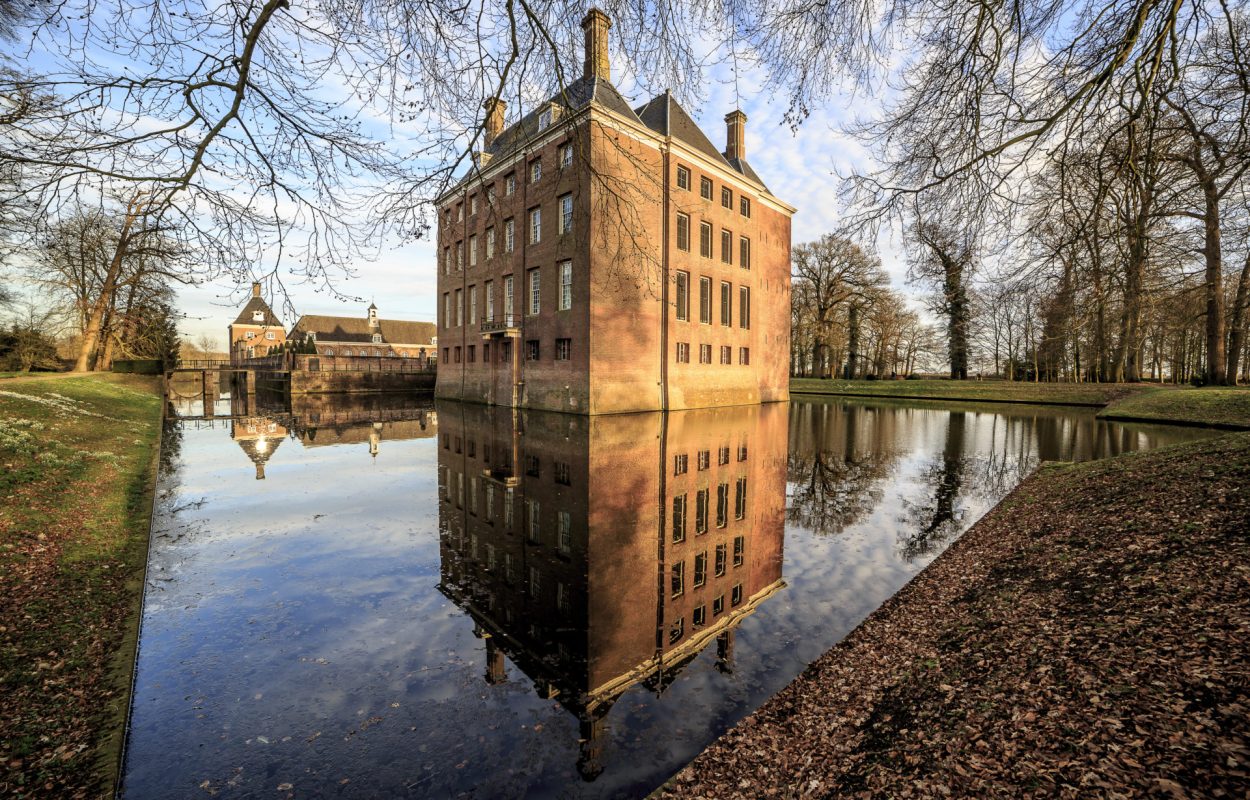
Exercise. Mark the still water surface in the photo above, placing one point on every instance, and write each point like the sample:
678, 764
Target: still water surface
374, 596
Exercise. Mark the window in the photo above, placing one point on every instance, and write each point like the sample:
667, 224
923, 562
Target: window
509, 183
258, 316
473, 250
472, 353
705, 188
744, 206
726, 304
705, 354
249, 334
740, 546
533, 520
507, 302
459, 256
683, 178
564, 531
700, 511
489, 291
533, 584
531, 350
736, 596
459, 308
726, 197
486, 352
490, 194
718, 605
490, 243
509, 236
348, 352
535, 291
679, 518
564, 348
446, 260
722, 505
744, 252
459, 212
740, 499
563, 473
566, 285
744, 307
683, 295
679, 630
680, 464
678, 581
544, 119
536, 225
700, 615
566, 214
377, 338
536, 170
270, 335
457, 352
700, 570
505, 351
705, 239
722, 559
566, 155
726, 354
472, 205
742, 452
683, 232
683, 353
472, 305
705, 302
722, 456
726, 247
744, 356
533, 467
705, 459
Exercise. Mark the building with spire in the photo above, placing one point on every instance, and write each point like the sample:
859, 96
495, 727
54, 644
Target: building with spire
602, 258
369, 336
256, 331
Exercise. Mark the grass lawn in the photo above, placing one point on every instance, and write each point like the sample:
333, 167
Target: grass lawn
1086, 394
77, 466
1207, 406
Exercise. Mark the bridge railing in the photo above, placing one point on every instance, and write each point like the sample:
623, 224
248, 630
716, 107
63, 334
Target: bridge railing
203, 363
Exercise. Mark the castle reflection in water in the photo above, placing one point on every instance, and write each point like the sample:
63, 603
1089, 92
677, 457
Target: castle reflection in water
599, 553
594, 553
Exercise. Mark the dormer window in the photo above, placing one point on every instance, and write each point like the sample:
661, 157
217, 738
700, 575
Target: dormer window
377, 338
544, 119
258, 316
312, 337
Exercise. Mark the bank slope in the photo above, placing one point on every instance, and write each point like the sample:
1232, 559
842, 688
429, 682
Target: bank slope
1090, 636
77, 463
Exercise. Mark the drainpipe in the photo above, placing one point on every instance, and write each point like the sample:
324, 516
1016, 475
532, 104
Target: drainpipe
664, 333
518, 361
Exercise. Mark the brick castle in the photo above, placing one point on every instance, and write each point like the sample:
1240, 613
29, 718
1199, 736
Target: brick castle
600, 258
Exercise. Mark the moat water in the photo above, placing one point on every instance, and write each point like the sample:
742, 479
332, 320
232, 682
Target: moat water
377, 596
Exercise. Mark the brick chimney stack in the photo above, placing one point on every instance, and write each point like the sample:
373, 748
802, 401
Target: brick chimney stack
255, 288
494, 118
596, 25
735, 135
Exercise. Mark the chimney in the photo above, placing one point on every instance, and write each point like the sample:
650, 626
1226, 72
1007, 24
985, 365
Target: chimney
494, 118
596, 25
735, 135
255, 289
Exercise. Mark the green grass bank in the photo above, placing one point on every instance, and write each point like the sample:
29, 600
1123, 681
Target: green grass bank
1209, 406
78, 459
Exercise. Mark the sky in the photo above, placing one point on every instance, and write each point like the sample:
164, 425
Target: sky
800, 167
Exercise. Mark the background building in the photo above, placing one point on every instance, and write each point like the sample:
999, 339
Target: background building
602, 258
365, 337
256, 331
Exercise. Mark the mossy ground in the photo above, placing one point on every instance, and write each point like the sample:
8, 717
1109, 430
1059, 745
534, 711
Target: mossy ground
77, 467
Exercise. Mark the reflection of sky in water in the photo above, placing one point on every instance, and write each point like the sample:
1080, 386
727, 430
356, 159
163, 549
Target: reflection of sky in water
294, 631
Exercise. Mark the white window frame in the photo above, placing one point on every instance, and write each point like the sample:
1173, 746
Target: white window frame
535, 291
489, 290
473, 250
536, 225
490, 243
536, 170
566, 155
509, 298
509, 235
473, 305
566, 286
566, 214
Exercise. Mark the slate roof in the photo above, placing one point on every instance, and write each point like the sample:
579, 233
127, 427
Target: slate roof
662, 114
257, 304
356, 329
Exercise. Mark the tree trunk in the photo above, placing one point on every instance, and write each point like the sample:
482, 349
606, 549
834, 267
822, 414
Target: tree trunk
95, 319
852, 342
1216, 371
1237, 325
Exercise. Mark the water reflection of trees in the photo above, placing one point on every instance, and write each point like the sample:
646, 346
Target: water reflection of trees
838, 459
